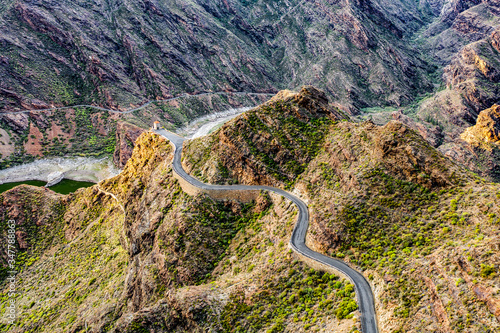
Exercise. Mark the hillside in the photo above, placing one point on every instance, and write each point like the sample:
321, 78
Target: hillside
420, 227
117, 53
155, 259
85, 131
430, 64
385, 124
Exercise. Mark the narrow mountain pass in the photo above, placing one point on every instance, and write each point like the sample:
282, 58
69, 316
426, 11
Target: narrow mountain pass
364, 293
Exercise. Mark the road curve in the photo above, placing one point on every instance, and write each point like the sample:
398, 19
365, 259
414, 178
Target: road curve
364, 293
143, 105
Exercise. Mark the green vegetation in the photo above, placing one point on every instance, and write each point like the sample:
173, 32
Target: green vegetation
297, 140
300, 295
208, 230
383, 200
67, 186
86, 132
405, 233
87, 127
80, 273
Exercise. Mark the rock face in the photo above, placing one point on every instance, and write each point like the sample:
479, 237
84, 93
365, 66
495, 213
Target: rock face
361, 53
471, 78
459, 23
434, 135
487, 128
18, 122
470, 82
126, 135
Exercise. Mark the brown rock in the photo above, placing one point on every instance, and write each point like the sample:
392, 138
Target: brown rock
433, 134
495, 39
10, 93
487, 128
411, 159
19, 122
38, 104
126, 134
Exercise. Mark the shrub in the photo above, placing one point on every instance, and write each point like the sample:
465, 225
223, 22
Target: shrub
487, 270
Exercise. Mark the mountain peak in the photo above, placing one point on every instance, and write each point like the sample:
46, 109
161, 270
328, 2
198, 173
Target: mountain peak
308, 102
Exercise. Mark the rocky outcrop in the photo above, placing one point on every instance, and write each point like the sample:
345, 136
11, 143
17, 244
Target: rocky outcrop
262, 144
473, 74
452, 9
28, 224
126, 135
471, 60
487, 128
495, 39
431, 133
410, 159
155, 254
308, 103
18, 122
459, 23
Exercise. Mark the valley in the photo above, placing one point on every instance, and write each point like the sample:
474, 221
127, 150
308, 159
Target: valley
315, 166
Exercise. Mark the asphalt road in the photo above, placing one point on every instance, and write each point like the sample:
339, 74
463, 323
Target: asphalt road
364, 293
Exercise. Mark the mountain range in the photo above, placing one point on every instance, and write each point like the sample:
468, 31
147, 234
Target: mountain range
381, 115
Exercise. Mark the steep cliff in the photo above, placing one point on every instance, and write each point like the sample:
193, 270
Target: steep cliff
126, 135
487, 128
471, 86
471, 81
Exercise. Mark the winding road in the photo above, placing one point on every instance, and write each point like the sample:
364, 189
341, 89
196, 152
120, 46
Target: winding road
366, 302
143, 105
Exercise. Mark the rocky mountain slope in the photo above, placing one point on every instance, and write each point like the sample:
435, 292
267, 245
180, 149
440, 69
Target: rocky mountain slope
464, 42
436, 61
114, 53
84, 131
421, 227
472, 85
136, 254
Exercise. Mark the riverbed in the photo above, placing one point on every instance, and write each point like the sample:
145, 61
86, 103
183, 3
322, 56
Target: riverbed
54, 169
205, 125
